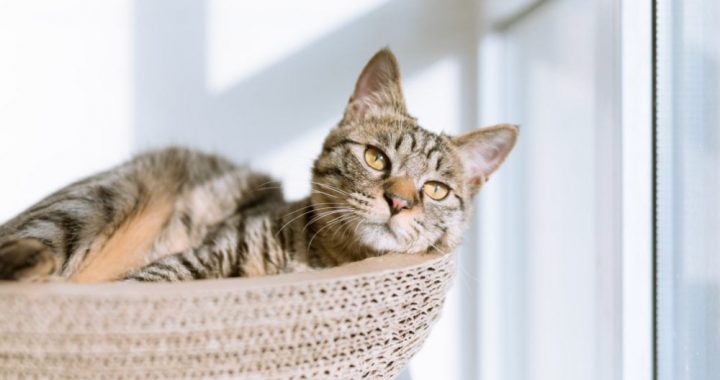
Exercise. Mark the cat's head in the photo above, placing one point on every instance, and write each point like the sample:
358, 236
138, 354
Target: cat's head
384, 184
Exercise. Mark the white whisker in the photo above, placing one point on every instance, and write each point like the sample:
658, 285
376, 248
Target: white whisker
324, 227
294, 219
333, 188
324, 214
316, 191
329, 204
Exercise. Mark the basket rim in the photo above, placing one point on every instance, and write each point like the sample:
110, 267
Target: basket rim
365, 268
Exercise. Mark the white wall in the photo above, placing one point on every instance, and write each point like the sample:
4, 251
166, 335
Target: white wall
66, 88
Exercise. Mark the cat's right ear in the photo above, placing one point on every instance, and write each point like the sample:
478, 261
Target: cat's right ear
483, 150
378, 87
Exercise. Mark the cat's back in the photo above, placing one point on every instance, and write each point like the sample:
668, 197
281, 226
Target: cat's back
184, 167
196, 181
158, 203
183, 193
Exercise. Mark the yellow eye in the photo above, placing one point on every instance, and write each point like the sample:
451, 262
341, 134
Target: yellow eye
436, 190
375, 158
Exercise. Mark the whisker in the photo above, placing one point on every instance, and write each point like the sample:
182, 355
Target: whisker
343, 223
333, 188
333, 221
269, 182
356, 228
329, 204
318, 231
292, 220
322, 215
356, 237
316, 191
347, 224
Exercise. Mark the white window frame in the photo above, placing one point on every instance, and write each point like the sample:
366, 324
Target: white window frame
637, 189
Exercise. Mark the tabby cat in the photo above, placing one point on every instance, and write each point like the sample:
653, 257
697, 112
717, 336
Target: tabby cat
381, 184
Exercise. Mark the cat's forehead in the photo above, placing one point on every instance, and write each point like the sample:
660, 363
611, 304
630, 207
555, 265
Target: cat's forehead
414, 150
389, 133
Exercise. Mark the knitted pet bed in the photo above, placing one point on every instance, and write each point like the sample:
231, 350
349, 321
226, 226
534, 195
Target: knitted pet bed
361, 320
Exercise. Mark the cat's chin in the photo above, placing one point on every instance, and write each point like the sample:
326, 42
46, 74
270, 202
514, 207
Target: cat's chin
382, 237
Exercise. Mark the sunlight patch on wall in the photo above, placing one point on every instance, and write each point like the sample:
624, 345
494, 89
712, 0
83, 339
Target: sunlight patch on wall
66, 74
244, 37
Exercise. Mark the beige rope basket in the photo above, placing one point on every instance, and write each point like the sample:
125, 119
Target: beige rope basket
361, 320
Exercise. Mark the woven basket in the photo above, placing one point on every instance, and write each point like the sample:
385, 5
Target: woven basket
361, 320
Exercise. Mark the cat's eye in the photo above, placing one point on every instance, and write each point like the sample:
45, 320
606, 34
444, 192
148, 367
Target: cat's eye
436, 190
375, 158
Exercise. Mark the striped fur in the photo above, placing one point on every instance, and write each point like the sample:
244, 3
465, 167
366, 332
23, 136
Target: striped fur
178, 214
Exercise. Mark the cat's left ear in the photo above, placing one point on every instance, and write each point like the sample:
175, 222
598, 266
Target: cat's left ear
483, 150
377, 87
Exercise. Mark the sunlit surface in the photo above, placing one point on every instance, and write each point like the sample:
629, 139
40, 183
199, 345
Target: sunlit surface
65, 94
246, 36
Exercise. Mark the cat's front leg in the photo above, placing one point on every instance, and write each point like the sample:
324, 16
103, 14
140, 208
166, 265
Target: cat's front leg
52, 237
27, 259
217, 257
193, 264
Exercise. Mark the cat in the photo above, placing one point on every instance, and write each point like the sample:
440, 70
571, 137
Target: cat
381, 184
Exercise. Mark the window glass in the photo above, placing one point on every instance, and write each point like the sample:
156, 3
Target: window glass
688, 189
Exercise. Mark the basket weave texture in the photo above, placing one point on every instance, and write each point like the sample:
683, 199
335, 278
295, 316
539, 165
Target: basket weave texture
361, 320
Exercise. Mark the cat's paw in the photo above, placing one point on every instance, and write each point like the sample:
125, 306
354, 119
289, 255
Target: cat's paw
26, 259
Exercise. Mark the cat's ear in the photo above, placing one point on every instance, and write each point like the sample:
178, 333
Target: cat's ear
483, 150
377, 87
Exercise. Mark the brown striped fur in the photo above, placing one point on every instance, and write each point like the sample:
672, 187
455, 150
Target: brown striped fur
178, 214
128, 246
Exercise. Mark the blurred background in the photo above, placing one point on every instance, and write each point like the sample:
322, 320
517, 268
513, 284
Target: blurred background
566, 238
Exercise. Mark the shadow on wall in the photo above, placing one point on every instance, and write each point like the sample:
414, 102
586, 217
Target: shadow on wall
285, 99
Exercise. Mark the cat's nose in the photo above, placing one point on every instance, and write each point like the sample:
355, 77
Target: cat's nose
400, 193
397, 203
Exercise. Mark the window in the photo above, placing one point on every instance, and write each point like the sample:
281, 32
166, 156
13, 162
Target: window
549, 231
688, 189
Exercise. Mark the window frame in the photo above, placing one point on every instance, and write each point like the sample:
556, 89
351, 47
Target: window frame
638, 231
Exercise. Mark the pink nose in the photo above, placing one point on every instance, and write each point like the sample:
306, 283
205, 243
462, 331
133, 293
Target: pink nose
397, 203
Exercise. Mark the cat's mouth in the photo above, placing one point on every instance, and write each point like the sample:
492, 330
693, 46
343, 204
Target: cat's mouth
388, 229
383, 236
